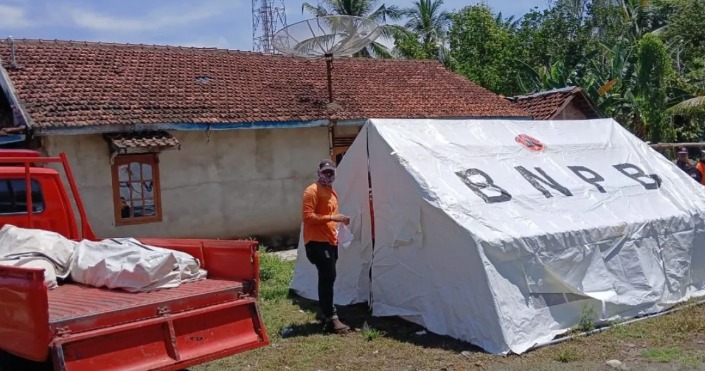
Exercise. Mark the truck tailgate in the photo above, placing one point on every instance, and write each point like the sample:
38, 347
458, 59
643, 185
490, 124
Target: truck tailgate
111, 329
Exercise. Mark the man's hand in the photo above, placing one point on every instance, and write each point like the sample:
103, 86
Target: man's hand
340, 218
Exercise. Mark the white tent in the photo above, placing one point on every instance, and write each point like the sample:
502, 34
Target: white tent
504, 233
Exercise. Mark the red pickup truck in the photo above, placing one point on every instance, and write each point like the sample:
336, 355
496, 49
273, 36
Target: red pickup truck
77, 327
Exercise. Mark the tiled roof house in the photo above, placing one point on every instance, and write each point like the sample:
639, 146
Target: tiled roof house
569, 103
115, 108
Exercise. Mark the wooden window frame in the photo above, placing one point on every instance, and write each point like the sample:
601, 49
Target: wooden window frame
153, 160
339, 150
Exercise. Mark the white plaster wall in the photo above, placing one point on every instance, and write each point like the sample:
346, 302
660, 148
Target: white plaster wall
242, 183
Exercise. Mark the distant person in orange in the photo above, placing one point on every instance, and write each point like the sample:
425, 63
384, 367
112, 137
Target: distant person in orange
321, 217
701, 168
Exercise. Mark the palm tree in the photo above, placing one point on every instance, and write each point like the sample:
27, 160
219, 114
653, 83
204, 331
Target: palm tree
360, 8
694, 104
429, 23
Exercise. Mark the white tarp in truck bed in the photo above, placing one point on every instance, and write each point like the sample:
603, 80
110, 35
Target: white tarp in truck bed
119, 263
480, 238
34, 248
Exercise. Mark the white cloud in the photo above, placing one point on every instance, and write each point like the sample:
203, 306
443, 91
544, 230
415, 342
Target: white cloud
14, 17
156, 20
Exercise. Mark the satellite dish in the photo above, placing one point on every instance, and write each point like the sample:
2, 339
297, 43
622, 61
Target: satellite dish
327, 37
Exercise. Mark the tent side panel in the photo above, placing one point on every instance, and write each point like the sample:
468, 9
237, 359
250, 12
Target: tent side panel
426, 267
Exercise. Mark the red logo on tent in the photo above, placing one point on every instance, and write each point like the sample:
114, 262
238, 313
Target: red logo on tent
532, 144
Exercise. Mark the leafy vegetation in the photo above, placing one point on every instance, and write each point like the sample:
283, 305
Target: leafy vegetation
425, 33
370, 334
640, 61
566, 355
588, 315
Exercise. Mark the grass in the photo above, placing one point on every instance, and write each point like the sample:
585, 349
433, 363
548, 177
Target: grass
370, 334
662, 355
566, 355
297, 341
275, 275
587, 319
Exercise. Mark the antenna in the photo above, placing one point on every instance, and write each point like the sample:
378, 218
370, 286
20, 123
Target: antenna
268, 16
327, 37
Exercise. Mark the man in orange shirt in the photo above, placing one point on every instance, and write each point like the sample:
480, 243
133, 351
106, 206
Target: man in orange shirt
700, 166
321, 217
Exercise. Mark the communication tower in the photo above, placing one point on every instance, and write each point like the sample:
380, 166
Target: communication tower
268, 17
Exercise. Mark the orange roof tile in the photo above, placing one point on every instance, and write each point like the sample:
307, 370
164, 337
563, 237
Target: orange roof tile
78, 84
546, 105
156, 139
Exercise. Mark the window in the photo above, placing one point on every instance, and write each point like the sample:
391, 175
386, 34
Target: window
136, 193
343, 137
13, 196
338, 153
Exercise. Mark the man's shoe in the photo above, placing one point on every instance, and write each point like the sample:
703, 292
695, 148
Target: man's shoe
336, 327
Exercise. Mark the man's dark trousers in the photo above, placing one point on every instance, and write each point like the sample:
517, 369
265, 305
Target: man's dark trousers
324, 256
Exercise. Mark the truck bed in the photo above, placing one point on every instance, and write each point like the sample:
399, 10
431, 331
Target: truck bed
75, 307
84, 328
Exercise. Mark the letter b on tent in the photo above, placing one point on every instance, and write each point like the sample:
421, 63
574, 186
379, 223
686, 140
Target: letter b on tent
484, 187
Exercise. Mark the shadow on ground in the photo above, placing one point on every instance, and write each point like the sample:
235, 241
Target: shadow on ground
359, 317
10, 362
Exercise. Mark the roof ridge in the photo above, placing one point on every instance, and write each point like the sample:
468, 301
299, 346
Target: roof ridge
131, 45
202, 49
567, 89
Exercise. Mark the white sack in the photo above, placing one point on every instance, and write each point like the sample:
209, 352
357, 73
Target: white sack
133, 269
23, 247
189, 267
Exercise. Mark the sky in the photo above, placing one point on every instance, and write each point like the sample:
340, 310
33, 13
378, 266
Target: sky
199, 23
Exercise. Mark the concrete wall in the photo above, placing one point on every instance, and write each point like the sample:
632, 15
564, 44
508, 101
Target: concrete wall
572, 112
242, 183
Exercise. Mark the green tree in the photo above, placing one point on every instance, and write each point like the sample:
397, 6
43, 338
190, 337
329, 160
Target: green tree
484, 51
371, 9
685, 29
425, 31
693, 83
689, 111
654, 69
634, 58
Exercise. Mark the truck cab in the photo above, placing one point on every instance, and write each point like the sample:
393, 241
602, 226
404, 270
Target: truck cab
45, 183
